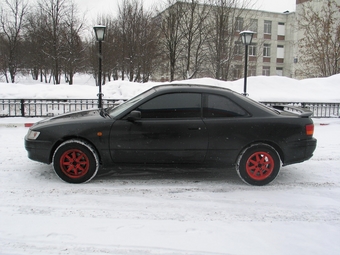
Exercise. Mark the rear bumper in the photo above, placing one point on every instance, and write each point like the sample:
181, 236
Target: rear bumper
299, 151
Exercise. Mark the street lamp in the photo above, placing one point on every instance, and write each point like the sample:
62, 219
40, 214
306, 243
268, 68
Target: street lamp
100, 34
246, 36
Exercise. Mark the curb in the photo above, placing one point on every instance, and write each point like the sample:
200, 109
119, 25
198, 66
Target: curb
11, 125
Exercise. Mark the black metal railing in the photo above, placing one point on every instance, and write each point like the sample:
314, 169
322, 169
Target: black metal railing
52, 107
320, 110
49, 107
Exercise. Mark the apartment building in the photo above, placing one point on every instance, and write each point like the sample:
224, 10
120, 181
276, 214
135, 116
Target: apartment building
275, 46
278, 38
272, 49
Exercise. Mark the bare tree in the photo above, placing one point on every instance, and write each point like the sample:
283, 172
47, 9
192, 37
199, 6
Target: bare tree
12, 18
130, 46
129, 18
54, 13
3, 64
225, 24
111, 50
149, 48
36, 58
194, 29
320, 45
73, 59
136, 36
172, 34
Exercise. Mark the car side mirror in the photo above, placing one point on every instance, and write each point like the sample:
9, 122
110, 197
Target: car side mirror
134, 115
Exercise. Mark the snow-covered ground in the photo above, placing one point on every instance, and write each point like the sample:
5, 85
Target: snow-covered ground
170, 211
141, 211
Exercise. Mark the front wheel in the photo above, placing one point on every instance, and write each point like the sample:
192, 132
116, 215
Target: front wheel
75, 161
258, 164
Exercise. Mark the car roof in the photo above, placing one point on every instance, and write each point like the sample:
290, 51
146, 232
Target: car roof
176, 87
197, 87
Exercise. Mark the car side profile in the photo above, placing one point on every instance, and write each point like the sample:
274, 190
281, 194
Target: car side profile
175, 124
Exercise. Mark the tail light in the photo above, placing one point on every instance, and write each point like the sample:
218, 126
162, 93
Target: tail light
310, 129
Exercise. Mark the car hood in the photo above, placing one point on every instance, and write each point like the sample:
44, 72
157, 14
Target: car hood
73, 117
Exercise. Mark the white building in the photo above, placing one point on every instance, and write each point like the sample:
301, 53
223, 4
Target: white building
275, 48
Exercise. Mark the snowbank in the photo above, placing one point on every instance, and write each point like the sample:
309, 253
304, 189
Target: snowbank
261, 88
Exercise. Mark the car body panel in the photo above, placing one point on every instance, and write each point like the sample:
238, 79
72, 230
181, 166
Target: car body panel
158, 141
53, 131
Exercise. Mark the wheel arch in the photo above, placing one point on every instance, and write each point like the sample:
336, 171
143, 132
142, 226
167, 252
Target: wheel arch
275, 146
64, 139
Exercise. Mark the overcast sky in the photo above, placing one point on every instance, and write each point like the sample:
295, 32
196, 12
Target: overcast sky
95, 7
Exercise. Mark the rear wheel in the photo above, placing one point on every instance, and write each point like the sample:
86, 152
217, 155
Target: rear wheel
75, 161
258, 165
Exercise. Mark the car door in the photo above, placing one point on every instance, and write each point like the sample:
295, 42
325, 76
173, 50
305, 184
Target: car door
170, 130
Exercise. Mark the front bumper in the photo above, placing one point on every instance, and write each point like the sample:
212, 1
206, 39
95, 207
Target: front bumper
39, 150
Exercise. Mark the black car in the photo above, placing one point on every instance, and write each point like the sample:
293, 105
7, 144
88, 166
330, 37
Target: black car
175, 124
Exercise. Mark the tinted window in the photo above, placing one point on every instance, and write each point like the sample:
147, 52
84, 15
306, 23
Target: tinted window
175, 105
221, 107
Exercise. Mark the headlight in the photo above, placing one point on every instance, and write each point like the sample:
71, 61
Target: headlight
32, 135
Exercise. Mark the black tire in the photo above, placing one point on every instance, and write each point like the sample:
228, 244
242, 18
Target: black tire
75, 161
258, 164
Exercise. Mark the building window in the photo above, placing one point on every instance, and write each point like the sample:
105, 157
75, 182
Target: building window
267, 27
253, 25
266, 71
281, 29
252, 50
252, 71
239, 24
238, 50
237, 72
279, 71
280, 51
266, 50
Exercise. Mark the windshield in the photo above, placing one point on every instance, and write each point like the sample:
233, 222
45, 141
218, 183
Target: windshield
115, 111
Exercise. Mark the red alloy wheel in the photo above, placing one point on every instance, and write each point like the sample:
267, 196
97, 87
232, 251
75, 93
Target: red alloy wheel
74, 163
260, 165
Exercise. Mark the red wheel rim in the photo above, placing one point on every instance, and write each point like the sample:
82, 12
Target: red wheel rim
259, 166
74, 163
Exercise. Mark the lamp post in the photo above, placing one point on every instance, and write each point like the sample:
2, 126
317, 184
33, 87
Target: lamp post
100, 34
247, 37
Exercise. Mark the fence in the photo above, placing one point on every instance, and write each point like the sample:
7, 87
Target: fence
320, 110
51, 107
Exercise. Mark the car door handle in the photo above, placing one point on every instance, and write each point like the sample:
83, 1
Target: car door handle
195, 128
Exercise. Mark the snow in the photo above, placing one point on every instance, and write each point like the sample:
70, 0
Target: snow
260, 88
176, 211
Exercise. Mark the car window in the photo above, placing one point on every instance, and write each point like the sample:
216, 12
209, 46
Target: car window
216, 106
115, 111
174, 105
